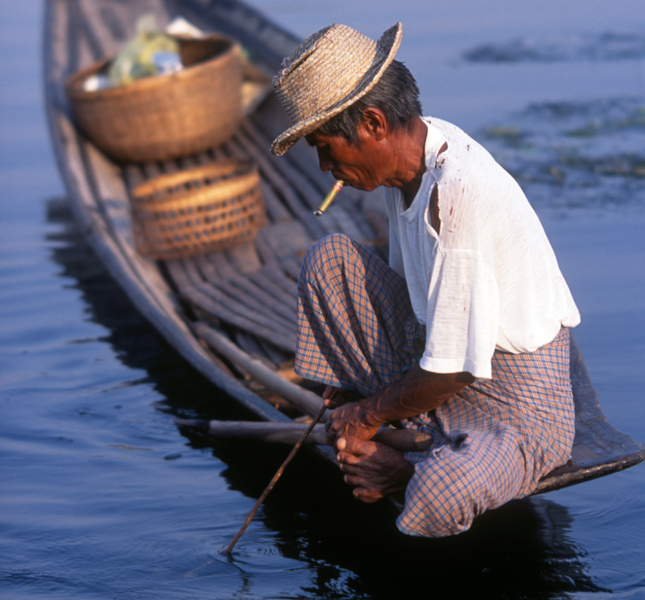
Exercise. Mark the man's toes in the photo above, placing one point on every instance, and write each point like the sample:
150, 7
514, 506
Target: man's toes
367, 496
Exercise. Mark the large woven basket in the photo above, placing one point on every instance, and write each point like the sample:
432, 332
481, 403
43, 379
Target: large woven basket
199, 210
168, 116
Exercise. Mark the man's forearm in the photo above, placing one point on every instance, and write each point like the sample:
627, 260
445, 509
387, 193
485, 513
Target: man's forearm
417, 392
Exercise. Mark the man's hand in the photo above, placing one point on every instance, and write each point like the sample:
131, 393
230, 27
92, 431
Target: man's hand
350, 420
418, 391
374, 470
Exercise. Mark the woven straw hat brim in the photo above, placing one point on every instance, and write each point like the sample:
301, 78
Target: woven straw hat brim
387, 45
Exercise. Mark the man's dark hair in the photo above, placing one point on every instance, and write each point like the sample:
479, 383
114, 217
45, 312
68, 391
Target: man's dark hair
396, 93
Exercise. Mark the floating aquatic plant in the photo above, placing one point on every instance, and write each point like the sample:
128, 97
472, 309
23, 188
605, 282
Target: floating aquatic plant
608, 46
575, 153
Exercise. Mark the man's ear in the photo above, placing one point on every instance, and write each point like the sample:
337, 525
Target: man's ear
374, 123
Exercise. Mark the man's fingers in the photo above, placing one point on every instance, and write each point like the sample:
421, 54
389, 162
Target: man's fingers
345, 458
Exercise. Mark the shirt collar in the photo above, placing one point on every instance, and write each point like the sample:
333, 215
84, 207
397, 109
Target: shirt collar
434, 142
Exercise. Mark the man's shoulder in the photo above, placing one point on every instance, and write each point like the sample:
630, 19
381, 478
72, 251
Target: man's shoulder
447, 128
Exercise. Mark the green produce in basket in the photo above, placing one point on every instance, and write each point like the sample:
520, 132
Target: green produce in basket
149, 52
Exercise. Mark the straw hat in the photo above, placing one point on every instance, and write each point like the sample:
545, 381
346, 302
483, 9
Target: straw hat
326, 73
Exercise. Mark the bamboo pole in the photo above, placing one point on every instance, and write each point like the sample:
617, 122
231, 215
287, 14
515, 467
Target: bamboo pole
277, 476
406, 440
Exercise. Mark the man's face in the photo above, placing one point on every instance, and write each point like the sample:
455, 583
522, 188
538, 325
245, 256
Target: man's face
361, 166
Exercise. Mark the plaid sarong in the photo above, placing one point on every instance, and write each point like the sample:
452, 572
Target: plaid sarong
492, 441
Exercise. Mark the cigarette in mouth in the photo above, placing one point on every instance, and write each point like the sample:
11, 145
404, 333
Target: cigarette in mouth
329, 198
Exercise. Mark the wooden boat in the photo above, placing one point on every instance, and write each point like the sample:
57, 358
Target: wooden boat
231, 313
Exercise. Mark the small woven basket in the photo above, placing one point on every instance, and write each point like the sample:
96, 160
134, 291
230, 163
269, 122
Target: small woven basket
167, 116
199, 210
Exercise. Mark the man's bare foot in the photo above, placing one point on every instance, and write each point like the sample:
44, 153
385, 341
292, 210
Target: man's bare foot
374, 470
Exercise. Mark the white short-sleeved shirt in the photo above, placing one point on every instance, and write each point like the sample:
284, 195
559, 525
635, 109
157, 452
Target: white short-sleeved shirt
489, 280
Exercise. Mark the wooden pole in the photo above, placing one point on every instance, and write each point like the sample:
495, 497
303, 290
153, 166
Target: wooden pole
271, 432
405, 440
273, 481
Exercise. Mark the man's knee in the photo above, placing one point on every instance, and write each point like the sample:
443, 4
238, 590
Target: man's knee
333, 249
455, 485
441, 515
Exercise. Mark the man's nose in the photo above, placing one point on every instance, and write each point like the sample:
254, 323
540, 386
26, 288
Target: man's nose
325, 163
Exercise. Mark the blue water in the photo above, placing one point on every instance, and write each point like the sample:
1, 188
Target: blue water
101, 496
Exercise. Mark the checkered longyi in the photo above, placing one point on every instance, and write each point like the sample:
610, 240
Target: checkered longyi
492, 441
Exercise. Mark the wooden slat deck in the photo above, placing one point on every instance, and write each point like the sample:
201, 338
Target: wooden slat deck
232, 314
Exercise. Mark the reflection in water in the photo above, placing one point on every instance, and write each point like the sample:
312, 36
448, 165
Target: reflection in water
134, 341
349, 549
521, 550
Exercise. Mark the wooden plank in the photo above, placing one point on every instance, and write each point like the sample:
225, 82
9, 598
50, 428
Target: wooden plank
215, 303
308, 193
68, 147
243, 288
283, 188
253, 347
248, 299
276, 210
307, 401
405, 440
172, 329
262, 40
303, 159
281, 240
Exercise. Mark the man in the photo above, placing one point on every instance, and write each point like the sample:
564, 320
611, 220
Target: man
464, 335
